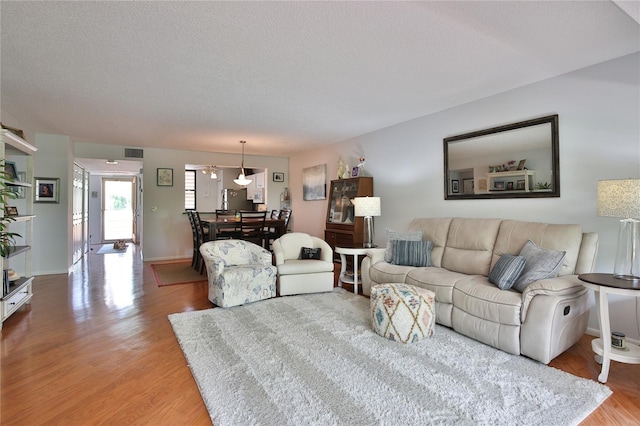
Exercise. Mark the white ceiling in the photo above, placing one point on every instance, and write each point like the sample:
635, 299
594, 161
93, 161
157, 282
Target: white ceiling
284, 76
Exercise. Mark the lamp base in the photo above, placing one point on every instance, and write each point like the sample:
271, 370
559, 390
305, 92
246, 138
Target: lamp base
367, 241
627, 264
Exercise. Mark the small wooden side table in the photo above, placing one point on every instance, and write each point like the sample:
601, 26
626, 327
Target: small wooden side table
602, 285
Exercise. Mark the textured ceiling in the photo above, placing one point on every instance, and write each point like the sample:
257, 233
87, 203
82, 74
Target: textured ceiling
284, 76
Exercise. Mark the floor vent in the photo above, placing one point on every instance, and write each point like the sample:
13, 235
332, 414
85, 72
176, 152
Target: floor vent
132, 153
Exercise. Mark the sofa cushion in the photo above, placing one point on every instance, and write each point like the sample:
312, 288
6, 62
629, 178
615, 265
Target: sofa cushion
435, 230
514, 234
304, 266
394, 236
470, 243
412, 253
383, 272
476, 296
310, 253
506, 271
540, 264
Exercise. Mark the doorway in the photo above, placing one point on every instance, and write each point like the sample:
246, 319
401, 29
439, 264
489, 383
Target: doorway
119, 206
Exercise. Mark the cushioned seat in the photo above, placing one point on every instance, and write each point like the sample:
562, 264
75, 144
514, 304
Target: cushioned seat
401, 312
239, 272
296, 275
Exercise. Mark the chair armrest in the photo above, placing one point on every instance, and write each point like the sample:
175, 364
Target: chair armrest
326, 252
559, 286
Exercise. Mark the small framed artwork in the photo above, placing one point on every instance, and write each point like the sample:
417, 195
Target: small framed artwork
355, 172
498, 185
10, 169
509, 185
467, 186
455, 186
521, 164
47, 190
165, 177
11, 211
278, 177
520, 184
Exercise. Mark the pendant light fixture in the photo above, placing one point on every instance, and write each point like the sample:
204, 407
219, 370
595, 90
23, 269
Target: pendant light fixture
242, 179
212, 170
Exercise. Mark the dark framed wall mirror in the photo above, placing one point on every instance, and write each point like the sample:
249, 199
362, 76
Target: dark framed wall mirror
517, 160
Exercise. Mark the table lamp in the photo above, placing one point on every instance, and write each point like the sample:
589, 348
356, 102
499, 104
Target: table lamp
367, 207
621, 198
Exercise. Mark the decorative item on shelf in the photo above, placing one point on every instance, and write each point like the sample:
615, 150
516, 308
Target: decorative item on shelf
341, 168
355, 172
521, 164
360, 166
543, 185
347, 172
7, 239
367, 207
621, 198
242, 179
520, 184
11, 210
617, 340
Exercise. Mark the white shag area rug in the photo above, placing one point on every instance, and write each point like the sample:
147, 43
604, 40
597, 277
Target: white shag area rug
314, 360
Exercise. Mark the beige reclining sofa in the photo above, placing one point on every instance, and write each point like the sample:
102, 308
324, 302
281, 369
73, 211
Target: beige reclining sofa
541, 322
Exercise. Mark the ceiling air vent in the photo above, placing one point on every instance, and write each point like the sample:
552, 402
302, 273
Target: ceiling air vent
132, 153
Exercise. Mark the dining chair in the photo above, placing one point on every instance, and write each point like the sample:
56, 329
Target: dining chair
252, 226
202, 237
196, 253
285, 214
228, 233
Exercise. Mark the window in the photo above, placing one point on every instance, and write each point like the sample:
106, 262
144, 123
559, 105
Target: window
189, 189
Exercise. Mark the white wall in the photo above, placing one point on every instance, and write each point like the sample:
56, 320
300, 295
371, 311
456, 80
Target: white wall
599, 116
52, 227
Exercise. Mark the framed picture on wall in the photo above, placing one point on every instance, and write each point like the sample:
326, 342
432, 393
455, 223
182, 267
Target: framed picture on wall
165, 177
278, 177
314, 183
47, 190
455, 186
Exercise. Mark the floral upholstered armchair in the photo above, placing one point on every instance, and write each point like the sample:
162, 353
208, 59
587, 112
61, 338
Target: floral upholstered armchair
239, 272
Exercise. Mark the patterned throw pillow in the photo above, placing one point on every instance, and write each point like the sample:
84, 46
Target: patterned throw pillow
506, 271
310, 253
394, 236
412, 253
540, 264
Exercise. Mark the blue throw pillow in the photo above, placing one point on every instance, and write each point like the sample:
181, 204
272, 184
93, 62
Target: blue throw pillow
395, 236
412, 253
506, 271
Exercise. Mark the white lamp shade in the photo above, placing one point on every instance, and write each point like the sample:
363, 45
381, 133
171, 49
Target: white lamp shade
618, 198
367, 206
242, 180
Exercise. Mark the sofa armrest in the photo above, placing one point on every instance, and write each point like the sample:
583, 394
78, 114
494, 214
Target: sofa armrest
375, 255
559, 286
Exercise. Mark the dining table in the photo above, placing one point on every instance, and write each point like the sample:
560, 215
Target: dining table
214, 224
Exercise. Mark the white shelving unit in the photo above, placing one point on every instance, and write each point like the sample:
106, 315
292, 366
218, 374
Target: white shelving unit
511, 176
15, 149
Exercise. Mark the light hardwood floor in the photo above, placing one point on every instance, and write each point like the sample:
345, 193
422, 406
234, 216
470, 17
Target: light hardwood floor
95, 347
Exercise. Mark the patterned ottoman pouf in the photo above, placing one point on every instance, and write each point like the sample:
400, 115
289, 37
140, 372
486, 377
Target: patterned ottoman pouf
402, 312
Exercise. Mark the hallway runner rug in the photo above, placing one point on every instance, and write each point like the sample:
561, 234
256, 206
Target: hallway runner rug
174, 273
314, 360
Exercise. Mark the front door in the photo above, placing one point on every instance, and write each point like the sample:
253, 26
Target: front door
118, 209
